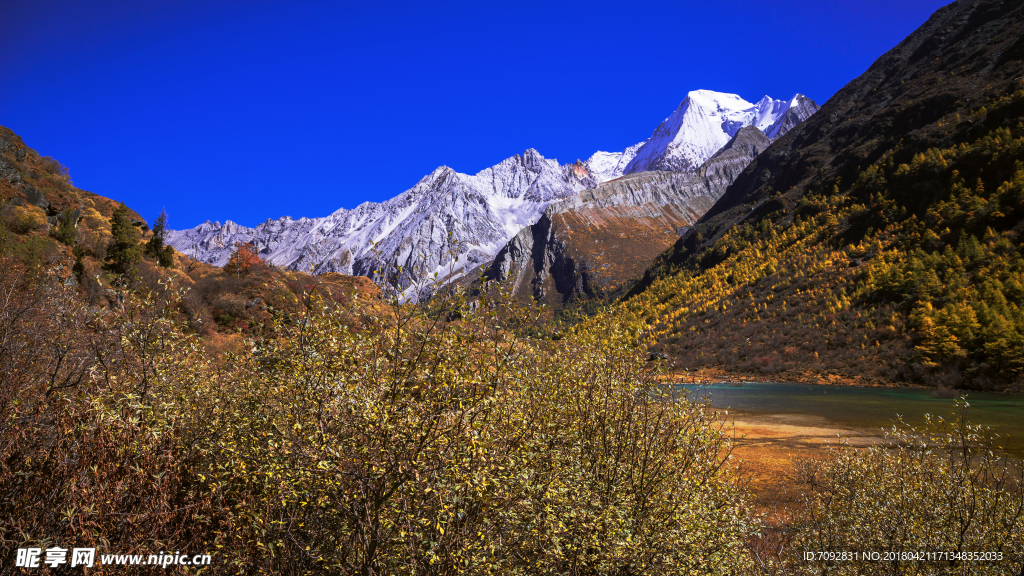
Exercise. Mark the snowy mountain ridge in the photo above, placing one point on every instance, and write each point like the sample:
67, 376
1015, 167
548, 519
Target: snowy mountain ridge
705, 121
448, 214
479, 213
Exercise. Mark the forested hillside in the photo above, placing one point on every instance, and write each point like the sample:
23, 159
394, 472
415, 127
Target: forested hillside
100, 246
896, 257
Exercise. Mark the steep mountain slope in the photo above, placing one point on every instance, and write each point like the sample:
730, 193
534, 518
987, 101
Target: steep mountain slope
878, 240
593, 242
35, 190
917, 95
705, 121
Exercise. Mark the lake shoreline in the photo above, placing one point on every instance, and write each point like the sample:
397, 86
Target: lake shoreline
719, 375
790, 415
766, 448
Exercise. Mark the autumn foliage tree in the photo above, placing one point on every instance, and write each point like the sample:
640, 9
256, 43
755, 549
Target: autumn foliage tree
244, 260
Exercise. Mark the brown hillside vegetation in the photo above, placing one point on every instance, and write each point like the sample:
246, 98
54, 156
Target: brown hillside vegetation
46, 220
396, 442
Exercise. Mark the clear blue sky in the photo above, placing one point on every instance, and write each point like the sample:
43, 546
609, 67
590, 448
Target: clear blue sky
254, 110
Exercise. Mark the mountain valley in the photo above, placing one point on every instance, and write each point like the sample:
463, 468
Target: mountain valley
594, 243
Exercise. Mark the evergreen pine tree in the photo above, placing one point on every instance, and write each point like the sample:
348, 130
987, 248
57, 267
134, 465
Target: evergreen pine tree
79, 266
124, 251
155, 246
66, 230
166, 258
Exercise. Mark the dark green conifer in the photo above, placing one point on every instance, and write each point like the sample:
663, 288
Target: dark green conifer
65, 231
124, 251
79, 266
166, 258
155, 246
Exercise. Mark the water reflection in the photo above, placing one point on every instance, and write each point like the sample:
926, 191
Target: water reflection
871, 408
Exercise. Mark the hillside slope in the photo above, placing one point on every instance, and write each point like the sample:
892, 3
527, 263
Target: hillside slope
49, 226
880, 240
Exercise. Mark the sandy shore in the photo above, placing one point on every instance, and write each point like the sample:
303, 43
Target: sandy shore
766, 448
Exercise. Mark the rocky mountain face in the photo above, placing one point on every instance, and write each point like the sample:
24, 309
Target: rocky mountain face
444, 214
448, 214
593, 242
923, 93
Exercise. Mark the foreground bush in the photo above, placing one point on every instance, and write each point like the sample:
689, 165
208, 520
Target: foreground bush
944, 491
398, 443
389, 438
95, 447
374, 439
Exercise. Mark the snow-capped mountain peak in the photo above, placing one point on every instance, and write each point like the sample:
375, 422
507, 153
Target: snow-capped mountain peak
768, 112
605, 166
704, 122
792, 112
481, 212
733, 111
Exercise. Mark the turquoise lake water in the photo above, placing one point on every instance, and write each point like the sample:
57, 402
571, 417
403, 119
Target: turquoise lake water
867, 408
